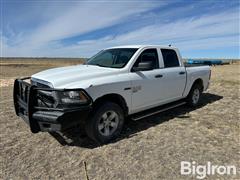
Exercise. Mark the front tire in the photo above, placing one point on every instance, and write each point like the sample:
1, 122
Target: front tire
194, 95
105, 123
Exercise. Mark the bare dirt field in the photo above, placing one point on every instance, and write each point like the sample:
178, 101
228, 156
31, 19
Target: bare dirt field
151, 148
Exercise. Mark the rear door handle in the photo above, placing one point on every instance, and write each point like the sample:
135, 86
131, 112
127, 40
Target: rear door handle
182, 72
158, 76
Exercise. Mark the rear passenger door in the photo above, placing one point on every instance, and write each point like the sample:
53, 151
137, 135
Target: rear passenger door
174, 75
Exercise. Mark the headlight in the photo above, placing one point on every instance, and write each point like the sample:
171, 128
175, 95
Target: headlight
73, 97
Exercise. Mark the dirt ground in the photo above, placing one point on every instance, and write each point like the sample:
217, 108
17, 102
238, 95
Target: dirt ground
151, 148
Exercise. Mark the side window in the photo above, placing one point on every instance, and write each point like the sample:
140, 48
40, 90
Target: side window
170, 58
149, 55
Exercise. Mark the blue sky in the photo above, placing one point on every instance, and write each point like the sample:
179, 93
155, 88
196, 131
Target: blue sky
41, 28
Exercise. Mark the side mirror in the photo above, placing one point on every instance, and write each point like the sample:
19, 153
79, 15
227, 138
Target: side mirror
143, 66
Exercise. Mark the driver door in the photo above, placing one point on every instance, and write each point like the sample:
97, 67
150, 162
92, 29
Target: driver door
146, 84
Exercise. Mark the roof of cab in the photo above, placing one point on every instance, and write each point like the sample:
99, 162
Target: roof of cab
141, 46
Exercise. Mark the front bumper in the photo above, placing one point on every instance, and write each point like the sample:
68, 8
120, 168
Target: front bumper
44, 118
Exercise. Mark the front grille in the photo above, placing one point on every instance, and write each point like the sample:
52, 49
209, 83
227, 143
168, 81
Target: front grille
40, 85
44, 98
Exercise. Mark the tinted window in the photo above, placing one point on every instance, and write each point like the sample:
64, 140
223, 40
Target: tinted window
148, 55
170, 58
114, 58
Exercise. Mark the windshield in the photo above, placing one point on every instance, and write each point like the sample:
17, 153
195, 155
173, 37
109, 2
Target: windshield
113, 58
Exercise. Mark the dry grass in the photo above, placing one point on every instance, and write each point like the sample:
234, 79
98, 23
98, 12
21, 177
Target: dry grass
148, 149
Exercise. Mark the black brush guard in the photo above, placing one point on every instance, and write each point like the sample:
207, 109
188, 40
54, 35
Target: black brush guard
45, 118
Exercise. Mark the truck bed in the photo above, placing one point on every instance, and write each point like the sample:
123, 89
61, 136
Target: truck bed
195, 71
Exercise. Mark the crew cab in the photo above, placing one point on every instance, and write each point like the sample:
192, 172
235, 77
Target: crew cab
127, 81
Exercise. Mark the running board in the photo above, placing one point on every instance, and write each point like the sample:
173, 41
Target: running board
157, 110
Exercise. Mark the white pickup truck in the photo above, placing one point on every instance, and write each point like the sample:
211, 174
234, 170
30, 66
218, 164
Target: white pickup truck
135, 81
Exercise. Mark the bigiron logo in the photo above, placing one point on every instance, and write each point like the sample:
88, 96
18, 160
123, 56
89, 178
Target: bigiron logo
202, 171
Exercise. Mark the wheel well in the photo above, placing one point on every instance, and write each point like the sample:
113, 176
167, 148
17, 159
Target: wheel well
198, 82
115, 98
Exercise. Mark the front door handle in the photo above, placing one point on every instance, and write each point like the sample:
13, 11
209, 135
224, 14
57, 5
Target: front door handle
158, 76
182, 72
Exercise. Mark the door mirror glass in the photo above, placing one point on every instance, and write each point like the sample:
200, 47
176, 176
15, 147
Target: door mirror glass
144, 66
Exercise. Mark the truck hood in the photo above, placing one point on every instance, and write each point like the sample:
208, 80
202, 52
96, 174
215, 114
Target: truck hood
67, 77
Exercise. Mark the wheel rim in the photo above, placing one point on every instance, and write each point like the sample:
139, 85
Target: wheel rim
195, 97
108, 123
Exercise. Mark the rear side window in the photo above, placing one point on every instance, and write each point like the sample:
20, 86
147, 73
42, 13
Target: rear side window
170, 58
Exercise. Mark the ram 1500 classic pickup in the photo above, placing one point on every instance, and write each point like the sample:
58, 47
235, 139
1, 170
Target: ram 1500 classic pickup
127, 81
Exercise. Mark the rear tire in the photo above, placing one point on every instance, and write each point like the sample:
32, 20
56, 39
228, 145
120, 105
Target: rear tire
194, 95
105, 123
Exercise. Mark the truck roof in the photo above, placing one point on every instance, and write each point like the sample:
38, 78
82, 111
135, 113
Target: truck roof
141, 46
